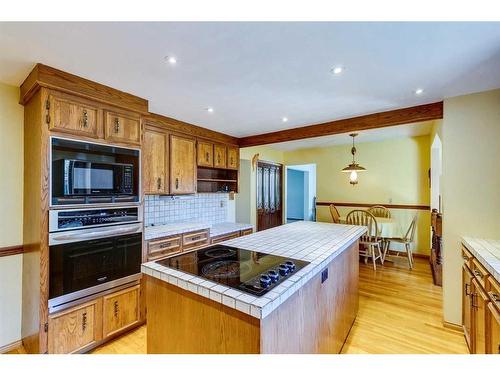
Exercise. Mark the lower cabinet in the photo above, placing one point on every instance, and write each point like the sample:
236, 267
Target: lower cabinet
493, 330
479, 303
75, 329
467, 306
82, 327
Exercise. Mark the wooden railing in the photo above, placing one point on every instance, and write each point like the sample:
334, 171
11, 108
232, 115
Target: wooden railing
11, 250
396, 206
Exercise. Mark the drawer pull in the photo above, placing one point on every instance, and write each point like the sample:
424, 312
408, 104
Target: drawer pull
117, 124
466, 289
207, 157
465, 257
85, 119
164, 245
84, 321
495, 297
195, 238
473, 297
116, 309
478, 273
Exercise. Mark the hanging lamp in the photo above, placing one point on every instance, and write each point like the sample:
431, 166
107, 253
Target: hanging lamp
354, 167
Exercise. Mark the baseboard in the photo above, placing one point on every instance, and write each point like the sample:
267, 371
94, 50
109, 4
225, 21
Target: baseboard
13, 346
453, 326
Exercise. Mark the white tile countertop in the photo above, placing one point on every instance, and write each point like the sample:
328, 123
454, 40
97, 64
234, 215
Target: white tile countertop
219, 229
318, 243
487, 252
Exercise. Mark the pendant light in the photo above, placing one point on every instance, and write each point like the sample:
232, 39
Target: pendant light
353, 168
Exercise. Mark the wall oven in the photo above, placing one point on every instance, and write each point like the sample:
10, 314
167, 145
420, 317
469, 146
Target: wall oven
92, 251
90, 173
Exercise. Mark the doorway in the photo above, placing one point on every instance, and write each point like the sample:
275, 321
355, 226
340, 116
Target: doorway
300, 192
269, 195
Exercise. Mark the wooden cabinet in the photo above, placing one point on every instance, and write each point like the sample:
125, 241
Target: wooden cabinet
205, 154
123, 128
182, 165
75, 329
493, 330
164, 247
233, 157
224, 237
246, 232
68, 114
194, 240
219, 156
155, 162
467, 305
479, 303
120, 310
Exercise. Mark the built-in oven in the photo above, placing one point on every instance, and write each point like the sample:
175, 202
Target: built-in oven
92, 251
92, 174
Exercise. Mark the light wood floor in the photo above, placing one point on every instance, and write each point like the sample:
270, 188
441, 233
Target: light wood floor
400, 311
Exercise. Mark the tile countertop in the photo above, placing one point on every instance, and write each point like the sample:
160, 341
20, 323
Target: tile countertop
318, 243
487, 252
219, 229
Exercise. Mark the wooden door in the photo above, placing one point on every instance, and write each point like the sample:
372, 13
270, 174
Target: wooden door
155, 162
120, 310
493, 330
205, 154
233, 157
269, 193
70, 115
220, 156
182, 165
467, 306
122, 128
75, 329
479, 302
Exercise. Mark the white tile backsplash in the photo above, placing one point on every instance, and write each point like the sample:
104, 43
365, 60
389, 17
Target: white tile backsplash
207, 207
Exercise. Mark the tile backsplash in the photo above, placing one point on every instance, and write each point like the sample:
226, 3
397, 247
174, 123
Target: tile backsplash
208, 207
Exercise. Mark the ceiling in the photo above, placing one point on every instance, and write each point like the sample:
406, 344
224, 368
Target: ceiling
252, 74
372, 135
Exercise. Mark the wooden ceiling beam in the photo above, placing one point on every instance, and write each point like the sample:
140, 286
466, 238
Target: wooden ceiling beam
402, 116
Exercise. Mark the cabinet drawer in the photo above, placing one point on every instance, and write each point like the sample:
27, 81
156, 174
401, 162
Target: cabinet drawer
246, 232
225, 237
195, 239
467, 257
120, 310
480, 273
164, 247
75, 329
122, 128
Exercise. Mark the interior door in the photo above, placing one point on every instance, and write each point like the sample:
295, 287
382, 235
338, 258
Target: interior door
269, 193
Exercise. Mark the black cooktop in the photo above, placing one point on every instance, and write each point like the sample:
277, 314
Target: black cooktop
249, 271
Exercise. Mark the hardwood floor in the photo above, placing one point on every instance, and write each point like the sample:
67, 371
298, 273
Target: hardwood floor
400, 311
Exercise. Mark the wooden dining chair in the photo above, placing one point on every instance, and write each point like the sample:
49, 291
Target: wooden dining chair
407, 240
379, 211
335, 214
370, 240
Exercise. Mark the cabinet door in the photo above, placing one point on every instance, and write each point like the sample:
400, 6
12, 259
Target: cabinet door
182, 165
76, 328
467, 306
493, 330
205, 154
233, 157
122, 128
479, 303
220, 156
154, 162
68, 115
120, 310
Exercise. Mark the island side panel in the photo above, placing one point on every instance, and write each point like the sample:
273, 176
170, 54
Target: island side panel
319, 316
183, 322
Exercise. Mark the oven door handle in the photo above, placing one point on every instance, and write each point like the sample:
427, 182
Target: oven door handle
56, 239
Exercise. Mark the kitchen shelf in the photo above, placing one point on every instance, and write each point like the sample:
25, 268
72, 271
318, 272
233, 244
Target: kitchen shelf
215, 180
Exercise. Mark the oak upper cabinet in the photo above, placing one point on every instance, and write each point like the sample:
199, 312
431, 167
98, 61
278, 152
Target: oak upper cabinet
467, 305
120, 310
69, 114
155, 161
123, 128
75, 329
205, 154
219, 156
233, 157
182, 165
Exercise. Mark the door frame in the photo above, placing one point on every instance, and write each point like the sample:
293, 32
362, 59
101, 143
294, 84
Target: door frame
256, 189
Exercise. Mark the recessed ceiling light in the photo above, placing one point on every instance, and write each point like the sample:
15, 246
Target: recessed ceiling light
284, 119
419, 91
337, 70
210, 110
171, 60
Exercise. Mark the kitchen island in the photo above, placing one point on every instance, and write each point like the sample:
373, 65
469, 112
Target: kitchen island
311, 312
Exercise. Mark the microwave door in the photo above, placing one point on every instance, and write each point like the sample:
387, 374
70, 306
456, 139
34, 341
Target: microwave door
80, 177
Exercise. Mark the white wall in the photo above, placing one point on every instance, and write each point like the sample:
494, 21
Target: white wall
470, 134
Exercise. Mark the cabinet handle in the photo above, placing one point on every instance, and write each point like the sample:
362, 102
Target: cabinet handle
207, 156
231, 161
84, 321
495, 297
158, 183
474, 297
195, 238
478, 273
164, 245
116, 309
85, 119
117, 124
218, 159
177, 183
465, 257
466, 289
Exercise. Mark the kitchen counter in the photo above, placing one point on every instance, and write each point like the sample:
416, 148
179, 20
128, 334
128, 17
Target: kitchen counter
487, 252
221, 229
218, 229
317, 243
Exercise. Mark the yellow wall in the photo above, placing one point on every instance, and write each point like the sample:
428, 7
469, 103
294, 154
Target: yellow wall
11, 207
470, 134
397, 173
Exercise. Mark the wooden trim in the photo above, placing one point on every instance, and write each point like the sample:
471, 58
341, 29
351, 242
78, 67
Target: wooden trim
453, 326
391, 252
12, 346
401, 116
396, 206
51, 78
11, 250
